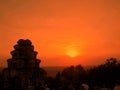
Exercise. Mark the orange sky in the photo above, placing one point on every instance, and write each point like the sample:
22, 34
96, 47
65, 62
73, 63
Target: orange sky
56, 27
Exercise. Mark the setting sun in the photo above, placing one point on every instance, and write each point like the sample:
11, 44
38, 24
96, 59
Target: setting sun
72, 53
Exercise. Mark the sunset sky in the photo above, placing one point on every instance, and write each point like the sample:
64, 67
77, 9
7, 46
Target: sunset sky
64, 32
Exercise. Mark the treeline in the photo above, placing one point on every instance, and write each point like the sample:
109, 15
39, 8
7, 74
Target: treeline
104, 75
71, 78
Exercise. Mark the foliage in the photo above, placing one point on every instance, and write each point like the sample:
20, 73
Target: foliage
105, 75
75, 75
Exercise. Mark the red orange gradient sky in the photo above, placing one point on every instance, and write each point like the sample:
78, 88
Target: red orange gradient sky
64, 32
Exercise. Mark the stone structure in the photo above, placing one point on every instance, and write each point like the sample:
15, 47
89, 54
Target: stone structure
23, 68
23, 56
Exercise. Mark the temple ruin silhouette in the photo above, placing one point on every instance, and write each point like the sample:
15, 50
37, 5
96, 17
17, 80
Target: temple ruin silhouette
23, 68
23, 56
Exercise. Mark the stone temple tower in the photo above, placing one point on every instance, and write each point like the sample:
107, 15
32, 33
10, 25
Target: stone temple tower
24, 56
23, 68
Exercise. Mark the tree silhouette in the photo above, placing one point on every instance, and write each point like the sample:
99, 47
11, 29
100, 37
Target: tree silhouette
105, 75
75, 75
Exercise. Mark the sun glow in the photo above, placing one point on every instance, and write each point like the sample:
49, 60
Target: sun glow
71, 51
